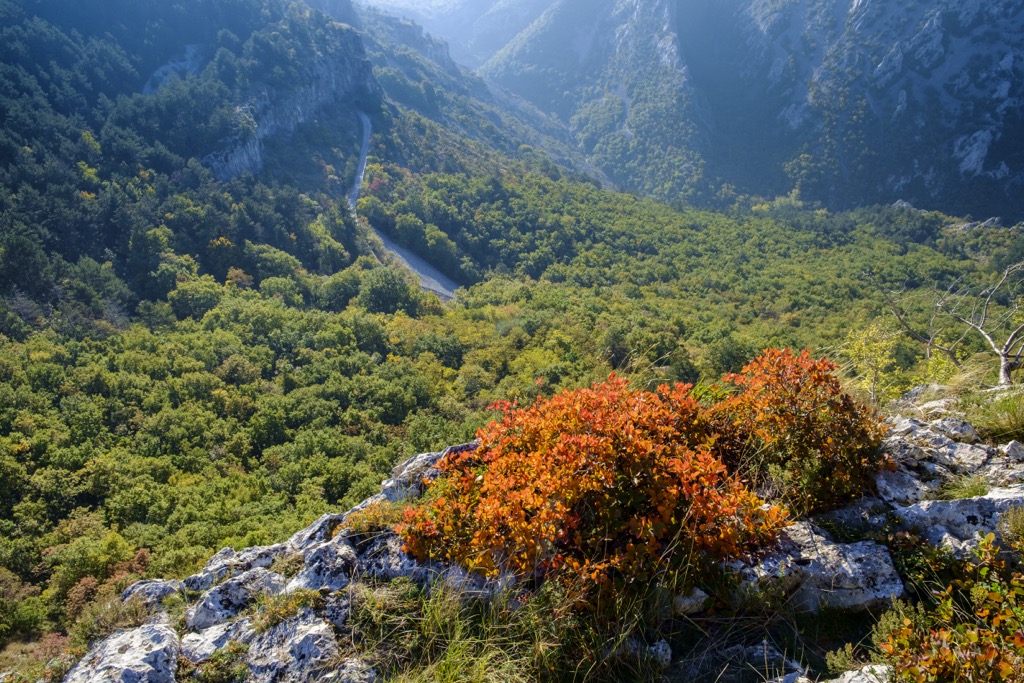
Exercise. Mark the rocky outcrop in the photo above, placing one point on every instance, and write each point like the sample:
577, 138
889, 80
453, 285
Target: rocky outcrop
340, 74
807, 566
227, 563
302, 648
870, 674
223, 602
299, 650
148, 654
197, 647
929, 459
814, 572
153, 592
923, 95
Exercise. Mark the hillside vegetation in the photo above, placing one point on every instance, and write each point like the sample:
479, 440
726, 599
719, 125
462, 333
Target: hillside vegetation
192, 358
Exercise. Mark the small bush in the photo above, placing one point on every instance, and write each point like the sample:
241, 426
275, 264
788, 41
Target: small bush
900, 616
976, 631
104, 616
602, 487
411, 635
289, 565
1011, 528
375, 518
794, 432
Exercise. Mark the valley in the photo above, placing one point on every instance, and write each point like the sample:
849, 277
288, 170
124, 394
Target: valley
258, 256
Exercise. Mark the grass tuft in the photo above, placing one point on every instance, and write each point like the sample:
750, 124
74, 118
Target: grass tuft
965, 486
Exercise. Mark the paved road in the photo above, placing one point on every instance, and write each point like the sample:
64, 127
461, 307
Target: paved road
430, 277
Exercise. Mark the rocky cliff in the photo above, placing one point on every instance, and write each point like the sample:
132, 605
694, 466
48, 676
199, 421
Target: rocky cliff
229, 611
338, 77
853, 102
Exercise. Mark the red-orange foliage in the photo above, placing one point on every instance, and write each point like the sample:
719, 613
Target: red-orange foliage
792, 423
606, 485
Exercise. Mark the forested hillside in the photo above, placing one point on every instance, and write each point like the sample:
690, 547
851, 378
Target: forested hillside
201, 345
850, 102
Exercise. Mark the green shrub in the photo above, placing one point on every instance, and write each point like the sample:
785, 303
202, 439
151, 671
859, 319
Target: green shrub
226, 665
976, 632
104, 616
1011, 528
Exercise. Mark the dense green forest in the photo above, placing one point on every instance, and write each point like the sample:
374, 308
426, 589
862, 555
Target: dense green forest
189, 361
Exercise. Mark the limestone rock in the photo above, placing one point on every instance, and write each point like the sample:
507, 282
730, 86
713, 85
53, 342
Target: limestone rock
319, 531
148, 654
152, 591
690, 604
956, 429
907, 426
222, 603
875, 673
352, 671
337, 609
1003, 472
660, 653
227, 563
300, 650
1014, 451
816, 572
957, 524
902, 487
936, 408
199, 646
407, 478
329, 566
795, 677
385, 560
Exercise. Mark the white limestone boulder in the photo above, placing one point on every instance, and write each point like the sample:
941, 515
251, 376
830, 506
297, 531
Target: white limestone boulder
958, 524
328, 566
407, 479
152, 592
224, 602
197, 647
875, 673
227, 564
956, 429
302, 649
816, 572
147, 654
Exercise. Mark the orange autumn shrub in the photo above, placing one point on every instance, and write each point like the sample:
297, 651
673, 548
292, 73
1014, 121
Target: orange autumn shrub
791, 429
602, 488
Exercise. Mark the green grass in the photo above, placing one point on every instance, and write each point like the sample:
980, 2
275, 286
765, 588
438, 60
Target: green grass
411, 635
998, 416
965, 486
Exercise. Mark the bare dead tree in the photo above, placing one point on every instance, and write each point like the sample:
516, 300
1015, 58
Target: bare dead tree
929, 336
974, 308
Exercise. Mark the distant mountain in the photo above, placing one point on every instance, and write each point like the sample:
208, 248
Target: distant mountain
851, 101
416, 72
476, 29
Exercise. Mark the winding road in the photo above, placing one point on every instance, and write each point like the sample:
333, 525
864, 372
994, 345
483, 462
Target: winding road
431, 279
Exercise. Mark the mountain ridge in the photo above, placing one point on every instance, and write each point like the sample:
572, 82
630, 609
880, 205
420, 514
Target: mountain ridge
848, 102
